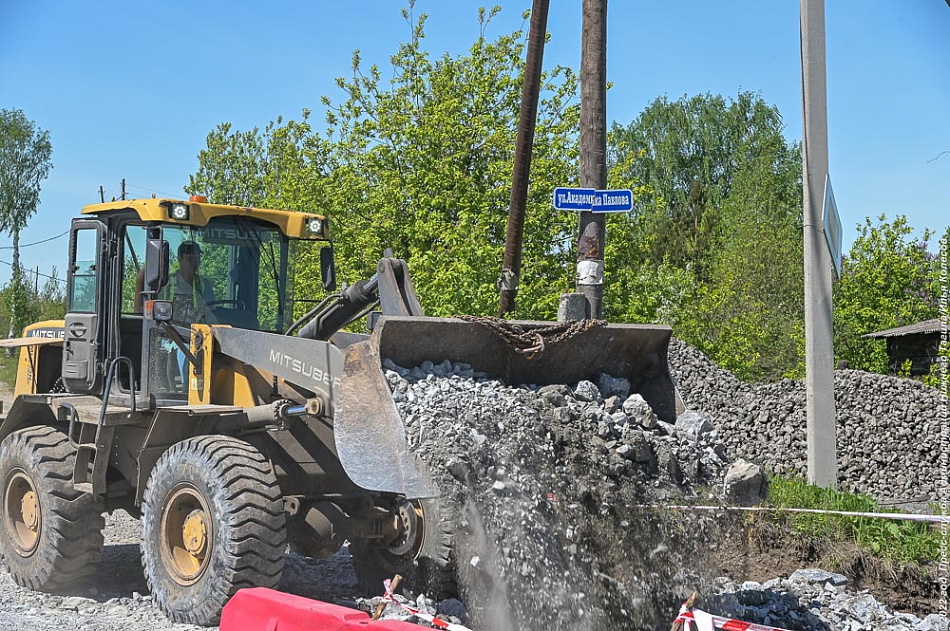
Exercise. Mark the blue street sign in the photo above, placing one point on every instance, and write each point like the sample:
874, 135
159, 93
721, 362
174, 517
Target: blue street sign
592, 200
573, 198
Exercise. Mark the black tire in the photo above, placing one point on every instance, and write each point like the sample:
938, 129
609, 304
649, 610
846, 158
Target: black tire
232, 494
51, 534
429, 569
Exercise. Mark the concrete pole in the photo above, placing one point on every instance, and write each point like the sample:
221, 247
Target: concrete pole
593, 150
819, 353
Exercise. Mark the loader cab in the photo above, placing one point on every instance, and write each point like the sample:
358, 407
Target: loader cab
214, 265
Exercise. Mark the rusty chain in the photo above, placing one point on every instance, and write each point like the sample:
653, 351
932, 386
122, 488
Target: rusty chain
532, 341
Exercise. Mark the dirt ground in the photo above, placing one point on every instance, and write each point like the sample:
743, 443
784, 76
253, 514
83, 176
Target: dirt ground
760, 550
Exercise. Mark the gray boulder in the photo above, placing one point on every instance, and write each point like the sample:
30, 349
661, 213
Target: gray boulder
812, 576
587, 391
745, 484
693, 423
640, 411
613, 386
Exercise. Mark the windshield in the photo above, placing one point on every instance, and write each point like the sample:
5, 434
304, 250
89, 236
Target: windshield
232, 271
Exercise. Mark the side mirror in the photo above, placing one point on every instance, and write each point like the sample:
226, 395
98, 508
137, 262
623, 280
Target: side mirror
156, 265
327, 268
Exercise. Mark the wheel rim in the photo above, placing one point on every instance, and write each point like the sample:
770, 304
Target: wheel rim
22, 516
410, 524
187, 534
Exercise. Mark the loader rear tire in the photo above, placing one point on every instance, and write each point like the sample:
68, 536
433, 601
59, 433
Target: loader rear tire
51, 534
429, 568
213, 522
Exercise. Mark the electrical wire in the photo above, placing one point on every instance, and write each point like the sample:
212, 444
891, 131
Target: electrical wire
154, 190
26, 245
27, 271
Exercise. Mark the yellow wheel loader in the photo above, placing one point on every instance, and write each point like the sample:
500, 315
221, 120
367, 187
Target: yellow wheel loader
181, 388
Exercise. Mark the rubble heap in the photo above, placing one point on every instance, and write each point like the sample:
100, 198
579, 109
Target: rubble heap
888, 431
545, 483
816, 600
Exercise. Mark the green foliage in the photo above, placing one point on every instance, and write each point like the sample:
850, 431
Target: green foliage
31, 302
417, 158
34, 302
714, 247
25, 152
900, 541
888, 279
421, 162
688, 154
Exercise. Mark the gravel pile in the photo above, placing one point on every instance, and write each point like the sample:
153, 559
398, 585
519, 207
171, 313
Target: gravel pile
888, 429
816, 600
117, 599
545, 483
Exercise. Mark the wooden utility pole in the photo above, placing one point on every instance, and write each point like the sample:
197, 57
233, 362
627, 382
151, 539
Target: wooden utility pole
593, 150
102, 195
819, 353
123, 189
511, 268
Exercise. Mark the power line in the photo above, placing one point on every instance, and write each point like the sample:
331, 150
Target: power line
153, 190
26, 245
31, 272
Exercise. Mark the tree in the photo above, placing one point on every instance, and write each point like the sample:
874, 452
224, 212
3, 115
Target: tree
25, 152
420, 162
888, 279
714, 246
750, 314
687, 154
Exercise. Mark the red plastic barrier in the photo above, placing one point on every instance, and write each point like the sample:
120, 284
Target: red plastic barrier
262, 609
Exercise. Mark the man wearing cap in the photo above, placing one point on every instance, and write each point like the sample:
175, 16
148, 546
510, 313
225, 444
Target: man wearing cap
188, 291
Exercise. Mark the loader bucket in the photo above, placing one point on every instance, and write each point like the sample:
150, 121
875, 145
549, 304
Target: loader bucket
370, 436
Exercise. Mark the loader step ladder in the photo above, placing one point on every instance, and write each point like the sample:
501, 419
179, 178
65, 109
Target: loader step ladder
89, 475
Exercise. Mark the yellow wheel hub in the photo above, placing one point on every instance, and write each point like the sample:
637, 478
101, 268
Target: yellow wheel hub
187, 534
22, 517
194, 533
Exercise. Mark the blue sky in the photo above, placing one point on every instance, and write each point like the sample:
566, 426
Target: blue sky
130, 90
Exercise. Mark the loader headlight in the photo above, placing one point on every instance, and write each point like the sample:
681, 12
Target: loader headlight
179, 211
315, 226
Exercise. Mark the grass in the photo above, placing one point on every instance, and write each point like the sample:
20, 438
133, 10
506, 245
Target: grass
8, 367
899, 541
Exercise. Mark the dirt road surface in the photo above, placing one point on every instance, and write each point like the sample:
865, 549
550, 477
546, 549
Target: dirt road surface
118, 599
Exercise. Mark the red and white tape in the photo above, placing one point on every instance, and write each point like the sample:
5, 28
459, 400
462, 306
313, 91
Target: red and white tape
702, 621
439, 623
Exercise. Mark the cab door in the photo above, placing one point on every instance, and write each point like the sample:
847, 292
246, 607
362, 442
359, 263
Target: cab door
83, 347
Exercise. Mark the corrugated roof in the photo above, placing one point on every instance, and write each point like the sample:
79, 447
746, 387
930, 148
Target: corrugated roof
927, 326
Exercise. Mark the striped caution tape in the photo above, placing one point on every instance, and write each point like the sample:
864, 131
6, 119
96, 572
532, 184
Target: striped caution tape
932, 519
699, 620
439, 623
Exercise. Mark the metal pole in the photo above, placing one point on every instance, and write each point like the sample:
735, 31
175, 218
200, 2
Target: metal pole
819, 354
593, 150
511, 268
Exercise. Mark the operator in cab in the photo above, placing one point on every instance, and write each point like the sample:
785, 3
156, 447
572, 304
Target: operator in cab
189, 292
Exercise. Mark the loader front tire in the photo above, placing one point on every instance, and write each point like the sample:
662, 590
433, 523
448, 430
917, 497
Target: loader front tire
428, 566
213, 522
51, 534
